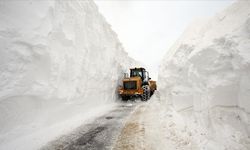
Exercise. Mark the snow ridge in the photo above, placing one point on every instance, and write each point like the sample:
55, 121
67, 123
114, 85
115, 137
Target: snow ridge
205, 77
58, 60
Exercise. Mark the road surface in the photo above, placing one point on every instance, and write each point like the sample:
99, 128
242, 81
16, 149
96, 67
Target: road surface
101, 134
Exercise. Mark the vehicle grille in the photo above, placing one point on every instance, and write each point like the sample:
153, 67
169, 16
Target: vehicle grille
130, 85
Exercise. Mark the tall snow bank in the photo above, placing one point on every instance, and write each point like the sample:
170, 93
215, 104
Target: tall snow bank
58, 60
205, 77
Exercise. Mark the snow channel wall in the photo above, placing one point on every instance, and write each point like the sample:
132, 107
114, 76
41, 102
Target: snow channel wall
207, 71
55, 56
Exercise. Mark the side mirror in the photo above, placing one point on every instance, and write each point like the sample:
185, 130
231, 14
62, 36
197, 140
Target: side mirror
125, 75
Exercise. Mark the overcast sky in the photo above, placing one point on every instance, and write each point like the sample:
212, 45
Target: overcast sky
148, 28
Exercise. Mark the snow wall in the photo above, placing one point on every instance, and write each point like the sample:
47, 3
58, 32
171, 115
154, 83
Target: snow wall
205, 78
58, 59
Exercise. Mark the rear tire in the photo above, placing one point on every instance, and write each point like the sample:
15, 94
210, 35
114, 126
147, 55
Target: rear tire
146, 93
151, 93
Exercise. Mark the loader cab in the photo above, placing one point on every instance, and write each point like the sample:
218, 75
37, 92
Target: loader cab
140, 72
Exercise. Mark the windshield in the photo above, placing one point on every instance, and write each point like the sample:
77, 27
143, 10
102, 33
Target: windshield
135, 73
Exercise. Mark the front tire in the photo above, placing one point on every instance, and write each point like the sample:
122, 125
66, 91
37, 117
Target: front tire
146, 93
125, 98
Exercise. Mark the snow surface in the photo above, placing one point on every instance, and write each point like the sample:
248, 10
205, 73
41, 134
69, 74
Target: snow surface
204, 79
60, 65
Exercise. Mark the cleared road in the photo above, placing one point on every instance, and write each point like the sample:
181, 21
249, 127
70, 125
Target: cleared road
98, 135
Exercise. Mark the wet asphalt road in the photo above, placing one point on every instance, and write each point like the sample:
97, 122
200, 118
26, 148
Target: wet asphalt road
101, 134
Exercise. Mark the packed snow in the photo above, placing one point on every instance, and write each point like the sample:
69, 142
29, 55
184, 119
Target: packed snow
60, 65
204, 80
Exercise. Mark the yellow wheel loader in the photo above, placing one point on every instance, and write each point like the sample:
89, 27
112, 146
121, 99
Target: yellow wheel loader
139, 84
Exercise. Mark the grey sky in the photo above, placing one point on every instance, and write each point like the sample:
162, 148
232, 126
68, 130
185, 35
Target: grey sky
148, 28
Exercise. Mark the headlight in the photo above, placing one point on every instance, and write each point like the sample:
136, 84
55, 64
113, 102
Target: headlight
120, 91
